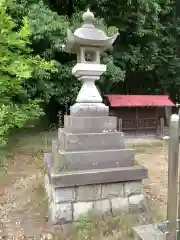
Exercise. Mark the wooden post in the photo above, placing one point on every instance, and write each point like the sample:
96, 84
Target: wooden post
173, 162
120, 124
137, 126
162, 127
178, 107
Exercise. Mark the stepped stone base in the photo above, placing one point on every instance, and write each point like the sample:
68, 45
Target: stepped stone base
69, 203
89, 169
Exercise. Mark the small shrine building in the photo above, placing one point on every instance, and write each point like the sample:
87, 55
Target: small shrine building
140, 115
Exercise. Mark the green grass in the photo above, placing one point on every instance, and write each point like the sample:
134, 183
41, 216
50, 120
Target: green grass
143, 147
111, 227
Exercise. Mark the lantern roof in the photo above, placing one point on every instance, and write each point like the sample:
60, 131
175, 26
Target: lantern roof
88, 35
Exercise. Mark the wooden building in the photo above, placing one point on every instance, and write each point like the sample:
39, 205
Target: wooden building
140, 115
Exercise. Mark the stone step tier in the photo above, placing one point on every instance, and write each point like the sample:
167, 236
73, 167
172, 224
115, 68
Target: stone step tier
90, 141
84, 160
90, 124
93, 176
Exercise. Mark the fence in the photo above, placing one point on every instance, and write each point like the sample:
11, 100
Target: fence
143, 126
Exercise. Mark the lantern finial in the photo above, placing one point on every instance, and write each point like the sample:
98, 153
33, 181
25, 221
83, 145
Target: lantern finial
88, 16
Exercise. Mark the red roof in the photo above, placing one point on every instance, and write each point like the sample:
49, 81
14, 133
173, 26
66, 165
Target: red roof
139, 100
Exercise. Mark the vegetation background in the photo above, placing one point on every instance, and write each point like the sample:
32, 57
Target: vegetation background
35, 72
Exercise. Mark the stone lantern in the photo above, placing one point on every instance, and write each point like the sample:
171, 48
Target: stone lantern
88, 43
89, 167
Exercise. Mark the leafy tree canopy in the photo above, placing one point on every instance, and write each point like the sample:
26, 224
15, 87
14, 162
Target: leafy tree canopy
48, 36
145, 58
17, 68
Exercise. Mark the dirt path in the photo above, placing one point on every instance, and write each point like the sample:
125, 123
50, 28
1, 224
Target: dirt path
23, 207
157, 167
155, 160
21, 200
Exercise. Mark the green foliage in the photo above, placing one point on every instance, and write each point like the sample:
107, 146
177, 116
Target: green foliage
48, 35
17, 65
145, 58
147, 47
147, 50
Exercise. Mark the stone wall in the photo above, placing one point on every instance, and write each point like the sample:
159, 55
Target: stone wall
69, 203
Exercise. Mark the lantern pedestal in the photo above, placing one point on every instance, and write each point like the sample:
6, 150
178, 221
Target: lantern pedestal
89, 100
88, 92
88, 74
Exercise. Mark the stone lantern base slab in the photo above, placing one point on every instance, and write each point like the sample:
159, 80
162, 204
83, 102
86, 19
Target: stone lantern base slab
79, 178
149, 232
89, 109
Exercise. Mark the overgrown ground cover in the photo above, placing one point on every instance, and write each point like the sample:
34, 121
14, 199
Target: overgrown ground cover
23, 204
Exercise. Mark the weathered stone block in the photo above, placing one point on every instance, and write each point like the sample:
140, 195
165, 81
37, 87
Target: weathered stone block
120, 204
90, 141
133, 188
90, 192
81, 208
85, 160
102, 206
90, 124
98, 176
137, 203
60, 213
112, 189
63, 194
148, 232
